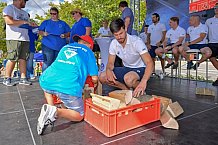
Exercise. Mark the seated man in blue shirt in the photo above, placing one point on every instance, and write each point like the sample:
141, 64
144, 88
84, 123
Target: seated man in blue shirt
65, 78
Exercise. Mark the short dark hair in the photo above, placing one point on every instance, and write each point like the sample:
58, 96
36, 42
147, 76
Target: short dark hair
146, 26
175, 19
157, 16
54, 9
196, 16
123, 4
116, 25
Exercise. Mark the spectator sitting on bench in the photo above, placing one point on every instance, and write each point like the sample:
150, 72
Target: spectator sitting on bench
197, 33
212, 25
177, 36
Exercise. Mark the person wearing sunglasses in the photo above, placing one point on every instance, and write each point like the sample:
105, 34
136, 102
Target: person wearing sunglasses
82, 26
212, 24
54, 32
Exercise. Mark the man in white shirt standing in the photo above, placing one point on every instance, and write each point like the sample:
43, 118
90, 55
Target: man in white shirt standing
17, 40
176, 35
212, 25
155, 37
197, 32
137, 62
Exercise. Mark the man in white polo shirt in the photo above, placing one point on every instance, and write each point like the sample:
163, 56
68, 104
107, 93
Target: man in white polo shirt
212, 25
17, 40
155, 37
137, 62
176, 35
197, 32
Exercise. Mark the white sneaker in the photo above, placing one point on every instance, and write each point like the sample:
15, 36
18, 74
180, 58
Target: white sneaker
33, 78
46, 117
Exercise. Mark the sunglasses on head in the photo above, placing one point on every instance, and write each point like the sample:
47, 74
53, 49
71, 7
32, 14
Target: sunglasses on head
53, 13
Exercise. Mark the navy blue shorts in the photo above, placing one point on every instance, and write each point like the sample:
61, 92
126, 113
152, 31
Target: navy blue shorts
197, 46
214, 49
171, 45
121, 71
152, 51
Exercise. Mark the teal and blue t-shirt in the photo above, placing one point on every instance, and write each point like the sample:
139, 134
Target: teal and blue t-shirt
54, 30
68, 73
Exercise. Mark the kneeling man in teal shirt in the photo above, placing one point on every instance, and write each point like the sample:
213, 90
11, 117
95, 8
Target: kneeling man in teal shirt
65, 78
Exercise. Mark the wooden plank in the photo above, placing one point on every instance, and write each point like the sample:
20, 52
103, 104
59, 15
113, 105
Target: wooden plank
175, 109
168, 121
105, 102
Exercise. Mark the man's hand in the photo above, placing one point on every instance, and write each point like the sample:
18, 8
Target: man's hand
33, 24
186, 44
166, 49
62, 36
140, 89
111, 76
45, 33
149, 46
95, 85
158, 44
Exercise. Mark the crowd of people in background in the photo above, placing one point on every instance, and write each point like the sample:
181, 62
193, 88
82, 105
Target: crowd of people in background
137, 53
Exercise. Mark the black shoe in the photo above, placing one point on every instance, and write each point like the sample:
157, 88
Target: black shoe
24, 81
215, 83
7, 82
175, 66
189, 65
169, 65
196, 66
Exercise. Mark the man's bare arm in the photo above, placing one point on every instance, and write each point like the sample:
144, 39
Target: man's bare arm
88, 30
127, 23
10, 21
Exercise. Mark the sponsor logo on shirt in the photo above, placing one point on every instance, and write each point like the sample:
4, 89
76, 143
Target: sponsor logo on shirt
69, 53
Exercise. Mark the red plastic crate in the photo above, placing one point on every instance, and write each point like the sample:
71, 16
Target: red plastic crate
111, 123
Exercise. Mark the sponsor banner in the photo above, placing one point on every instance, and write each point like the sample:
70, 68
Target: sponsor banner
201, 5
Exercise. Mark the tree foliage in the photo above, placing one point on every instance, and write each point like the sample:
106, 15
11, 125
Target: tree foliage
2, 29
95, 10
